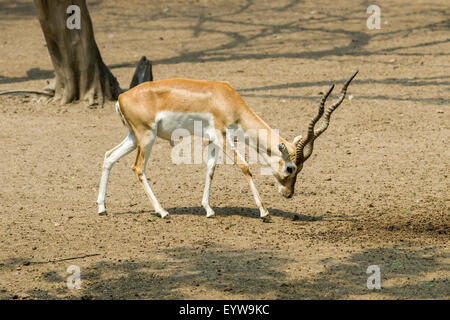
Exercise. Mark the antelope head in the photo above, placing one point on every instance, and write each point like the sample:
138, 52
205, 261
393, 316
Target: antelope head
296, 153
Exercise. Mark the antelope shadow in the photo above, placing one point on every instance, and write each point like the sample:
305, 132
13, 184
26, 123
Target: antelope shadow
246, 212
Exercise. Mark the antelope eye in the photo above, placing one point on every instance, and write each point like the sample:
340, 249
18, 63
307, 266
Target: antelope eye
289, 170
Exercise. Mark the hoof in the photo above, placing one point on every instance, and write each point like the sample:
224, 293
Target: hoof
210, 213
101, 209
164, 214
265, 216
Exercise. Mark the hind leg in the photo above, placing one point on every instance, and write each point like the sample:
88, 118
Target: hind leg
144, 149
210, 165
111, 157
213, 150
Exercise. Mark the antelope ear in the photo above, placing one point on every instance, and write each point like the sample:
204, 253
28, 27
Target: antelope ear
296, 140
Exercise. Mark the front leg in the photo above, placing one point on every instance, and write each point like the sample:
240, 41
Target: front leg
243, 165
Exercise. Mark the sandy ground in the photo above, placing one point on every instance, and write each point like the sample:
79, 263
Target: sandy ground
375, 191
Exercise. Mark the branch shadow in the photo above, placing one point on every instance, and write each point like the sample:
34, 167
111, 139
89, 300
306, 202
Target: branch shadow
32, 74
13, 10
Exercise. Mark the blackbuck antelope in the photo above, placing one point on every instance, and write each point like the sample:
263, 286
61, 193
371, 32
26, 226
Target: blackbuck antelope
158, 108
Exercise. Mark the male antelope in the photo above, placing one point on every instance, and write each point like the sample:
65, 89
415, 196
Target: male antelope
158, 108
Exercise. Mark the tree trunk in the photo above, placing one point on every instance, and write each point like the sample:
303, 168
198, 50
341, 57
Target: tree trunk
80, 73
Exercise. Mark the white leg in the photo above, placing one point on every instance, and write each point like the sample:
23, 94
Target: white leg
111, 157
211, 165
143, 179
243, 165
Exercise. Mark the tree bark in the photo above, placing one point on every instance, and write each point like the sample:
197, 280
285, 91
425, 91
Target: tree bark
80, 73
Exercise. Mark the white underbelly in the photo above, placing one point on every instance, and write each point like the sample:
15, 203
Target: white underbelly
180, 124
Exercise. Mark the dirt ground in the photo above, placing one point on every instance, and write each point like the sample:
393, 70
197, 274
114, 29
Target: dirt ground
375, 191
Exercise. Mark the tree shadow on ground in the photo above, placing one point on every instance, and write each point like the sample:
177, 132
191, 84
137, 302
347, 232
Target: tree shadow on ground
187, 272
266, 91
14, 10
231, 23
403, 276
32, 74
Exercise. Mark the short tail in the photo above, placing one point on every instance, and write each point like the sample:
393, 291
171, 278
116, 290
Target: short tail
124, 121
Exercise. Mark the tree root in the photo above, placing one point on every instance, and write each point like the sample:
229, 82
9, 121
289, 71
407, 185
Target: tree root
45, 93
